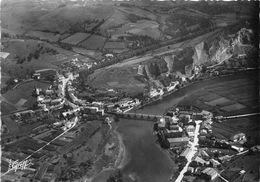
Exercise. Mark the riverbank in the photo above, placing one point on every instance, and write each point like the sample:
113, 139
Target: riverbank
122, 154
120, 162
168, 94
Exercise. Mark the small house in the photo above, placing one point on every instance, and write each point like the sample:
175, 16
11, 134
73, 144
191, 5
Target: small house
211, 173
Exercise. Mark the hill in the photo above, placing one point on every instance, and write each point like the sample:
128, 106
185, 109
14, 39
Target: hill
222, 50
62, 19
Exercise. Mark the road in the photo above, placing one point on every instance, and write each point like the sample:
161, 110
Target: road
192, 153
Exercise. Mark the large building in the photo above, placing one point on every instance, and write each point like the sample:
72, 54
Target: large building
187, 153
190, 129
174, 142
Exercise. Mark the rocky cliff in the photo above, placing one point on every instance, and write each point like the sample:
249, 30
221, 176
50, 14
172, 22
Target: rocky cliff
222, 50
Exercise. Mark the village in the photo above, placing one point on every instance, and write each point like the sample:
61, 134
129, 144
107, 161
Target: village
86, 84
188, 137
58, 114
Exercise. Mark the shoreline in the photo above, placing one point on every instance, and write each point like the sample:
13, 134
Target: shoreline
120, 162
164, 96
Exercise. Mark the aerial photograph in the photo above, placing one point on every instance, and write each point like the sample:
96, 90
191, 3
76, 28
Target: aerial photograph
129, 91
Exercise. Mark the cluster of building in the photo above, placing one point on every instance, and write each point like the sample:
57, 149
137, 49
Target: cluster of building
180, 129
191, 72
72, 96
67, 124
178, 133
155, 92
76, 64
52, 97
172, 86
124, 105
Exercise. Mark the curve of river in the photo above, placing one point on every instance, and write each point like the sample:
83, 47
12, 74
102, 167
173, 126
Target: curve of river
146, 161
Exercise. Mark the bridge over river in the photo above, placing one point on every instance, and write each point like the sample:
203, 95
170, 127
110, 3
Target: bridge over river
140, 116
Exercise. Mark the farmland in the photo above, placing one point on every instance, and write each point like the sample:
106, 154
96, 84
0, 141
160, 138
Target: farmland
95, 42
96, 54
119, 78
64, 19
26, 56
141, 27
114, 45
243, 163
52, 37
76, 38
138, 11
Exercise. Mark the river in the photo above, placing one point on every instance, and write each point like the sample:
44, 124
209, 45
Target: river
147, 162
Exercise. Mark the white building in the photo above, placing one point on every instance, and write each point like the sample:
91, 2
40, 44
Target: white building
155, 92
172, 86
190, 129
238, 149
214, 162
187, 153
212, 173
4, 55
161, 123
109, 55
40, 98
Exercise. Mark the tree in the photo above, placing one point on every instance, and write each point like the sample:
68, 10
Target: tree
116, 177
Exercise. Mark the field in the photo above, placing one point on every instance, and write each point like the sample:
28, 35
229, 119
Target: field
138, 11
48, 16
116, 19
7, 107
52, 37
22, 93
4, 77
76, 38
118, 78
95, 42
180, 22
141, 27
93, 53
131, 21
222, 20
18, 16
64, 18
251, 168
115, 45
26, 56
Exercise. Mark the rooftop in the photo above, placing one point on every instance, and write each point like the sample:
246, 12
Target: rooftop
210, 171
181, 139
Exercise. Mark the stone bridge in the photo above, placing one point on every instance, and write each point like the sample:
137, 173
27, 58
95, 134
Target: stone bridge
140, 116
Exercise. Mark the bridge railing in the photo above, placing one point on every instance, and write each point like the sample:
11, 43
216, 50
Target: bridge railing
140, 116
